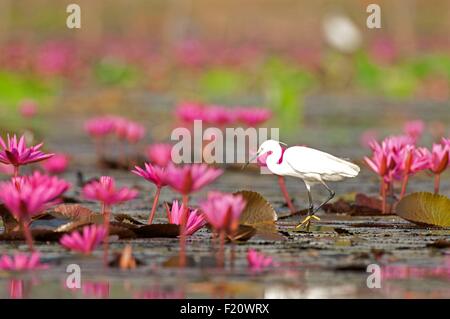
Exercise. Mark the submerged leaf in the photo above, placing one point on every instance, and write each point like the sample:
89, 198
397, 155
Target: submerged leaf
258, 209
425, 209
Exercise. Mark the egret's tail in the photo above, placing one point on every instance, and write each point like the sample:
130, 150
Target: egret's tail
350, 169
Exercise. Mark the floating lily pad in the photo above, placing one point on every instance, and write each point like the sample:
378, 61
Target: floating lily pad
258, 209
425, 209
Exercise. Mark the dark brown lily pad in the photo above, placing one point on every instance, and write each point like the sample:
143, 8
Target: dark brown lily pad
439, 244
124, 218
9, 222
158, 230
38, 235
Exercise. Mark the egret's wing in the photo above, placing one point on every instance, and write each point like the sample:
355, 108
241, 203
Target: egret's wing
307, 160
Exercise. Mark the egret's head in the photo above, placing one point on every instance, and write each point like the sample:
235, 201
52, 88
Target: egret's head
268, 146
265, 147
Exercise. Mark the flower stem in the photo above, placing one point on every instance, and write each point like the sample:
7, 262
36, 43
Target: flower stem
287, 198
404, 184
105, 213
437, 181
16, 171
221, 254
383, 196
27, 234
182, 260
155, 203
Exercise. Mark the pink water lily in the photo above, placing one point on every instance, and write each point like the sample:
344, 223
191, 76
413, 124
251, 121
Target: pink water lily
86, 240
438, 161
258, 261
134, 132
56, 164
222, 211
155, 175
195, 220
252, 116
100, 126
185, 180
106, 192
189, 111
15, 152
413, 160
28, 196
414, 129
160, 154
22, 262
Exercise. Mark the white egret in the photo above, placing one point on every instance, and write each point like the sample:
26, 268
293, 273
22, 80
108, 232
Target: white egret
310, 165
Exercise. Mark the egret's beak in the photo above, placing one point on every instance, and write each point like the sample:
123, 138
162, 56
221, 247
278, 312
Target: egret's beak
251, 160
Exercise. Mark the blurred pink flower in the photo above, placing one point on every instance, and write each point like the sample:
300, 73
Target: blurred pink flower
86, 240
16, 288
194, 220
56, 164
100, 126
160, 154
21, 262
134, 132
28, 108
223, 210
258, 261
190, 178
105, 191
30, 195
17, 153
217, 115
252, 116
155, 175
414, 129
189, 111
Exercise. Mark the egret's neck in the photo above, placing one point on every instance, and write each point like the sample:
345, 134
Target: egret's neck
273, 159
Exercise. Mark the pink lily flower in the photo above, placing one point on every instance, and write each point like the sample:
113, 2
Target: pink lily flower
186, 180
100, 126
160, 154
258, 261
222, 212
190, 178
21, 262
28, 108
28, 196
438, 160
84, 241
56, 164
17, 153
413, 160
105, 191
414, 129
218, 115
134, 132
252, 116
189, 111
155, 175
195, 220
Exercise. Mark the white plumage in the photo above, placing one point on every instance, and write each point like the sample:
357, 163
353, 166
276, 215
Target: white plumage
310, 165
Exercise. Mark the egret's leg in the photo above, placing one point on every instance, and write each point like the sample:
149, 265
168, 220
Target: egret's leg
307, 220
330, 197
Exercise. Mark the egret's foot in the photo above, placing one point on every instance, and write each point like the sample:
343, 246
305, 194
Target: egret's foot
307, 221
